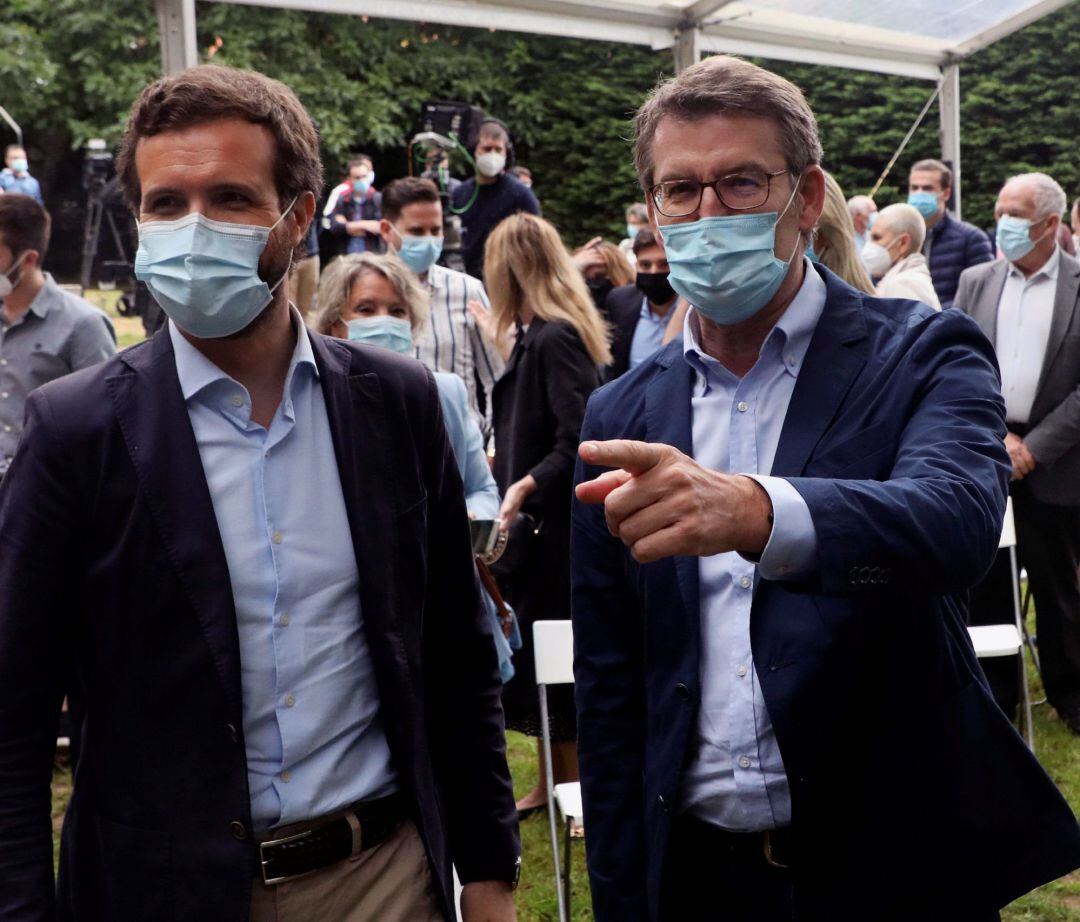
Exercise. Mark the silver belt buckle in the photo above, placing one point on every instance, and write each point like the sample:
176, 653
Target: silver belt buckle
264, 861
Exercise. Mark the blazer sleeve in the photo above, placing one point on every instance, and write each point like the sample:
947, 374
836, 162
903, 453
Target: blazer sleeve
1058, 432
609, 673
570, 376
936, 520
464, 692
38, 550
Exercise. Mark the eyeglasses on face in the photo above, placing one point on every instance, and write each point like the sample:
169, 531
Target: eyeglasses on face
740, 191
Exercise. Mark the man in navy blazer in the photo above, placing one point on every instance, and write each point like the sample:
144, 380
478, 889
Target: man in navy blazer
243, 549
778, 517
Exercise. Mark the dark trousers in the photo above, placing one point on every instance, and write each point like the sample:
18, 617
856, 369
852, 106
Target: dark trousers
707, 881
1048, 547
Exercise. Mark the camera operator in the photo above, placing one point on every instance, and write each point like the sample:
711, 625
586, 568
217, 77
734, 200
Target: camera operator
453, 340
491, 195
45, 332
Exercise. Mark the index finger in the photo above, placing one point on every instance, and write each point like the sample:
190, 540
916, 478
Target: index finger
633, 457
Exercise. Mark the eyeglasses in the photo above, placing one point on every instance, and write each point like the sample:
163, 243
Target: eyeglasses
677, 198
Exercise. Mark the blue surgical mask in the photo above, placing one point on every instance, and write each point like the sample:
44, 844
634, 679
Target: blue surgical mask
360, 186
632, 230
419, 253
926, 203
1014, 237
726, 267
388, 332
870, 219
20, 165
205, 273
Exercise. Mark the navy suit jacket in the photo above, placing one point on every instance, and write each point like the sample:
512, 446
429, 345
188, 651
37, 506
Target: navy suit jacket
113, 581
910, 789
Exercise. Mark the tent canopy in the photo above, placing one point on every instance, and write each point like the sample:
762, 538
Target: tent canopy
924, 39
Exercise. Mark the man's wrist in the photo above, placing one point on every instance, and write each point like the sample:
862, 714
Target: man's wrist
757, 516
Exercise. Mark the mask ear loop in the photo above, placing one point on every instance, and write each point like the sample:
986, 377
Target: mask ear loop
288, 268
791, 199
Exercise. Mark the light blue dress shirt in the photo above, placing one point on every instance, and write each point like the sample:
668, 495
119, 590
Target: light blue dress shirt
735, 776
312, 726
648, 334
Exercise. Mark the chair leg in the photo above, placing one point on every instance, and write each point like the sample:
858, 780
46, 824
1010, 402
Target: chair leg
567, 823
545, 742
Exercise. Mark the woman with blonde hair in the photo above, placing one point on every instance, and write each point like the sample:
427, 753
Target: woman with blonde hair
538, 406
834, 240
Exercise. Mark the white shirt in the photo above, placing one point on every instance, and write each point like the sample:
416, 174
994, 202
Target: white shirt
1025, 311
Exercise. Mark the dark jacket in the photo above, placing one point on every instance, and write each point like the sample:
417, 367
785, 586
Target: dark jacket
910, 790
537, 408
955, 246
1054, 426
622, 308
350, 208
113, 577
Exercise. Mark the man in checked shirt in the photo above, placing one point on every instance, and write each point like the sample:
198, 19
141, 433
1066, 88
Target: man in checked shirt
412, 226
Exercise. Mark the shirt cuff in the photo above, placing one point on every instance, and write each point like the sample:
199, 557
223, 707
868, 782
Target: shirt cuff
792, 550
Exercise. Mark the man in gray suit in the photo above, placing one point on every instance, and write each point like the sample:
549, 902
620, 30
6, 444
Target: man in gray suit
1028, 305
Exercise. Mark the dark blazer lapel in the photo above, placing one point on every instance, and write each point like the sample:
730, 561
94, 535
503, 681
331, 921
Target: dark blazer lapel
360, 432
1068, 285
154, 421
668, 420
834, 359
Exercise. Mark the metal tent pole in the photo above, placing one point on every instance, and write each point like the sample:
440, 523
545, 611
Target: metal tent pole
176, 21
950, 127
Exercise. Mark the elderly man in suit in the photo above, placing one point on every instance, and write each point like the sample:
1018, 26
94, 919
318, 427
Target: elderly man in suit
1028, 304
778, 517
246, 546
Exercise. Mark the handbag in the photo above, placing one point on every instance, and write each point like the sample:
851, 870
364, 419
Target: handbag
513, 546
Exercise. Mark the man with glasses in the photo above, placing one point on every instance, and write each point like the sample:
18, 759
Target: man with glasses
778, 517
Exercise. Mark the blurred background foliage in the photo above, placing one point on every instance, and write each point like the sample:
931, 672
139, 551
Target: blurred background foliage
72, 68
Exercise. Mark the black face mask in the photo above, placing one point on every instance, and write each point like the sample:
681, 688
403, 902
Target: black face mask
599, 289
655, 286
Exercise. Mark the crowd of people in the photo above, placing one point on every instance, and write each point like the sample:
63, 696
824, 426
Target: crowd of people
758, 451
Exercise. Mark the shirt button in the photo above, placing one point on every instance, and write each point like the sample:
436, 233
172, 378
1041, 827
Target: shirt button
238, 400
741, 671
791, 360
5, 395
743, 406
7, 428
3, 361
745, 582
286, 776
290, 700
278, 537
744, 762
284, 619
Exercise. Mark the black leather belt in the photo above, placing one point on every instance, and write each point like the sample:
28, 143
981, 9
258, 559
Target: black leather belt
773, 847
329, 841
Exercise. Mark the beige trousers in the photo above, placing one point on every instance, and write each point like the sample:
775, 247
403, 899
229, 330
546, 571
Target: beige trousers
388, 883
303, 283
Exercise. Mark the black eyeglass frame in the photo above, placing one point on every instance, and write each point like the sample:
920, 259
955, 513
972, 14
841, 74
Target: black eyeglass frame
714, 184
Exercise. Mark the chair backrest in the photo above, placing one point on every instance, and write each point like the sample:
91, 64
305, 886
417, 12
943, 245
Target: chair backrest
1008, 527
553, 650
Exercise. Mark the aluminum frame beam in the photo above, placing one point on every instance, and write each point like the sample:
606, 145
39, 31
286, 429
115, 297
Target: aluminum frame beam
1007, 26
949, 110
176, 21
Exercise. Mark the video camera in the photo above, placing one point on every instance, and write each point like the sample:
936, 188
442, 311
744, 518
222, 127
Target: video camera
445, 127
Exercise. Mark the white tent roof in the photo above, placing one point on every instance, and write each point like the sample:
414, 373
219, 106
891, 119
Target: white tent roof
913, 38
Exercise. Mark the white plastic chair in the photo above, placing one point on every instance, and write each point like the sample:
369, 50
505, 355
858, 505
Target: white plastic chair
553, 651
990, 640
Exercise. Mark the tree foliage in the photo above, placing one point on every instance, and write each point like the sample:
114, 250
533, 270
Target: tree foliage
77, 67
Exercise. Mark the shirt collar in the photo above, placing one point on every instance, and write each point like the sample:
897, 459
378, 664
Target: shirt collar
436, 276
1049, 268
49, 295
791, 334
196, 372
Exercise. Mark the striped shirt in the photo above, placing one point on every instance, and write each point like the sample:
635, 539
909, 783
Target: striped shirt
451, 341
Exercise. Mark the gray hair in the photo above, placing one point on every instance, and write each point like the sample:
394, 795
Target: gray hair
727, 84
338, 278
1050, 198
639, 211
860, 205
902, 218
